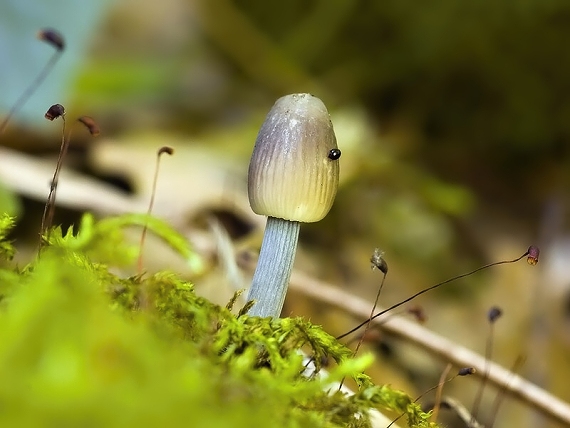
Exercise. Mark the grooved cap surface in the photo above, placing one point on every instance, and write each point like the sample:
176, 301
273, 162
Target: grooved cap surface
292, 173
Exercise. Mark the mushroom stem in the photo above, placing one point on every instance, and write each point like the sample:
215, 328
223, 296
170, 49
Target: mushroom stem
273, 270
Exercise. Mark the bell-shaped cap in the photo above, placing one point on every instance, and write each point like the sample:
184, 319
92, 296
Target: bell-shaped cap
294, 168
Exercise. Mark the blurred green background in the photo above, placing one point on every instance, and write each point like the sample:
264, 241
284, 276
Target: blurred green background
453, 119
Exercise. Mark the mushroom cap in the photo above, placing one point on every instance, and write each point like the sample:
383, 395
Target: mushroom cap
294, 168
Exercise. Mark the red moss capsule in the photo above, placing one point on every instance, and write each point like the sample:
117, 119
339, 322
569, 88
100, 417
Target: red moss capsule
165, 149
533, 253
54, 112
494, 314
52, 37
90, 125
466, 371
418, 313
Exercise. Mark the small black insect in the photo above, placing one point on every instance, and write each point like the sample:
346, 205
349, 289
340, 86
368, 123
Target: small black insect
334, 154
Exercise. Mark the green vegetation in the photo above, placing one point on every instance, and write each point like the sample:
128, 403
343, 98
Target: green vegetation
81, 346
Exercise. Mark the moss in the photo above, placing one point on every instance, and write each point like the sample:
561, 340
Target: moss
80, 346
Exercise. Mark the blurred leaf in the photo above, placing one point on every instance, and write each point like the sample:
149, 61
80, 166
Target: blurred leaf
9, 202
104, 240
125, 80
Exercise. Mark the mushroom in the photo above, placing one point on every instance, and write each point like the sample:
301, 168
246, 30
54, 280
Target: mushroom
293, 178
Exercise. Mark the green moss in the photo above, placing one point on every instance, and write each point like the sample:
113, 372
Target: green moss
80, 346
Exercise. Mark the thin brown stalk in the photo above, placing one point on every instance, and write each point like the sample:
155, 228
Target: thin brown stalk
30, 90
49, 208
170, 151
439, 392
